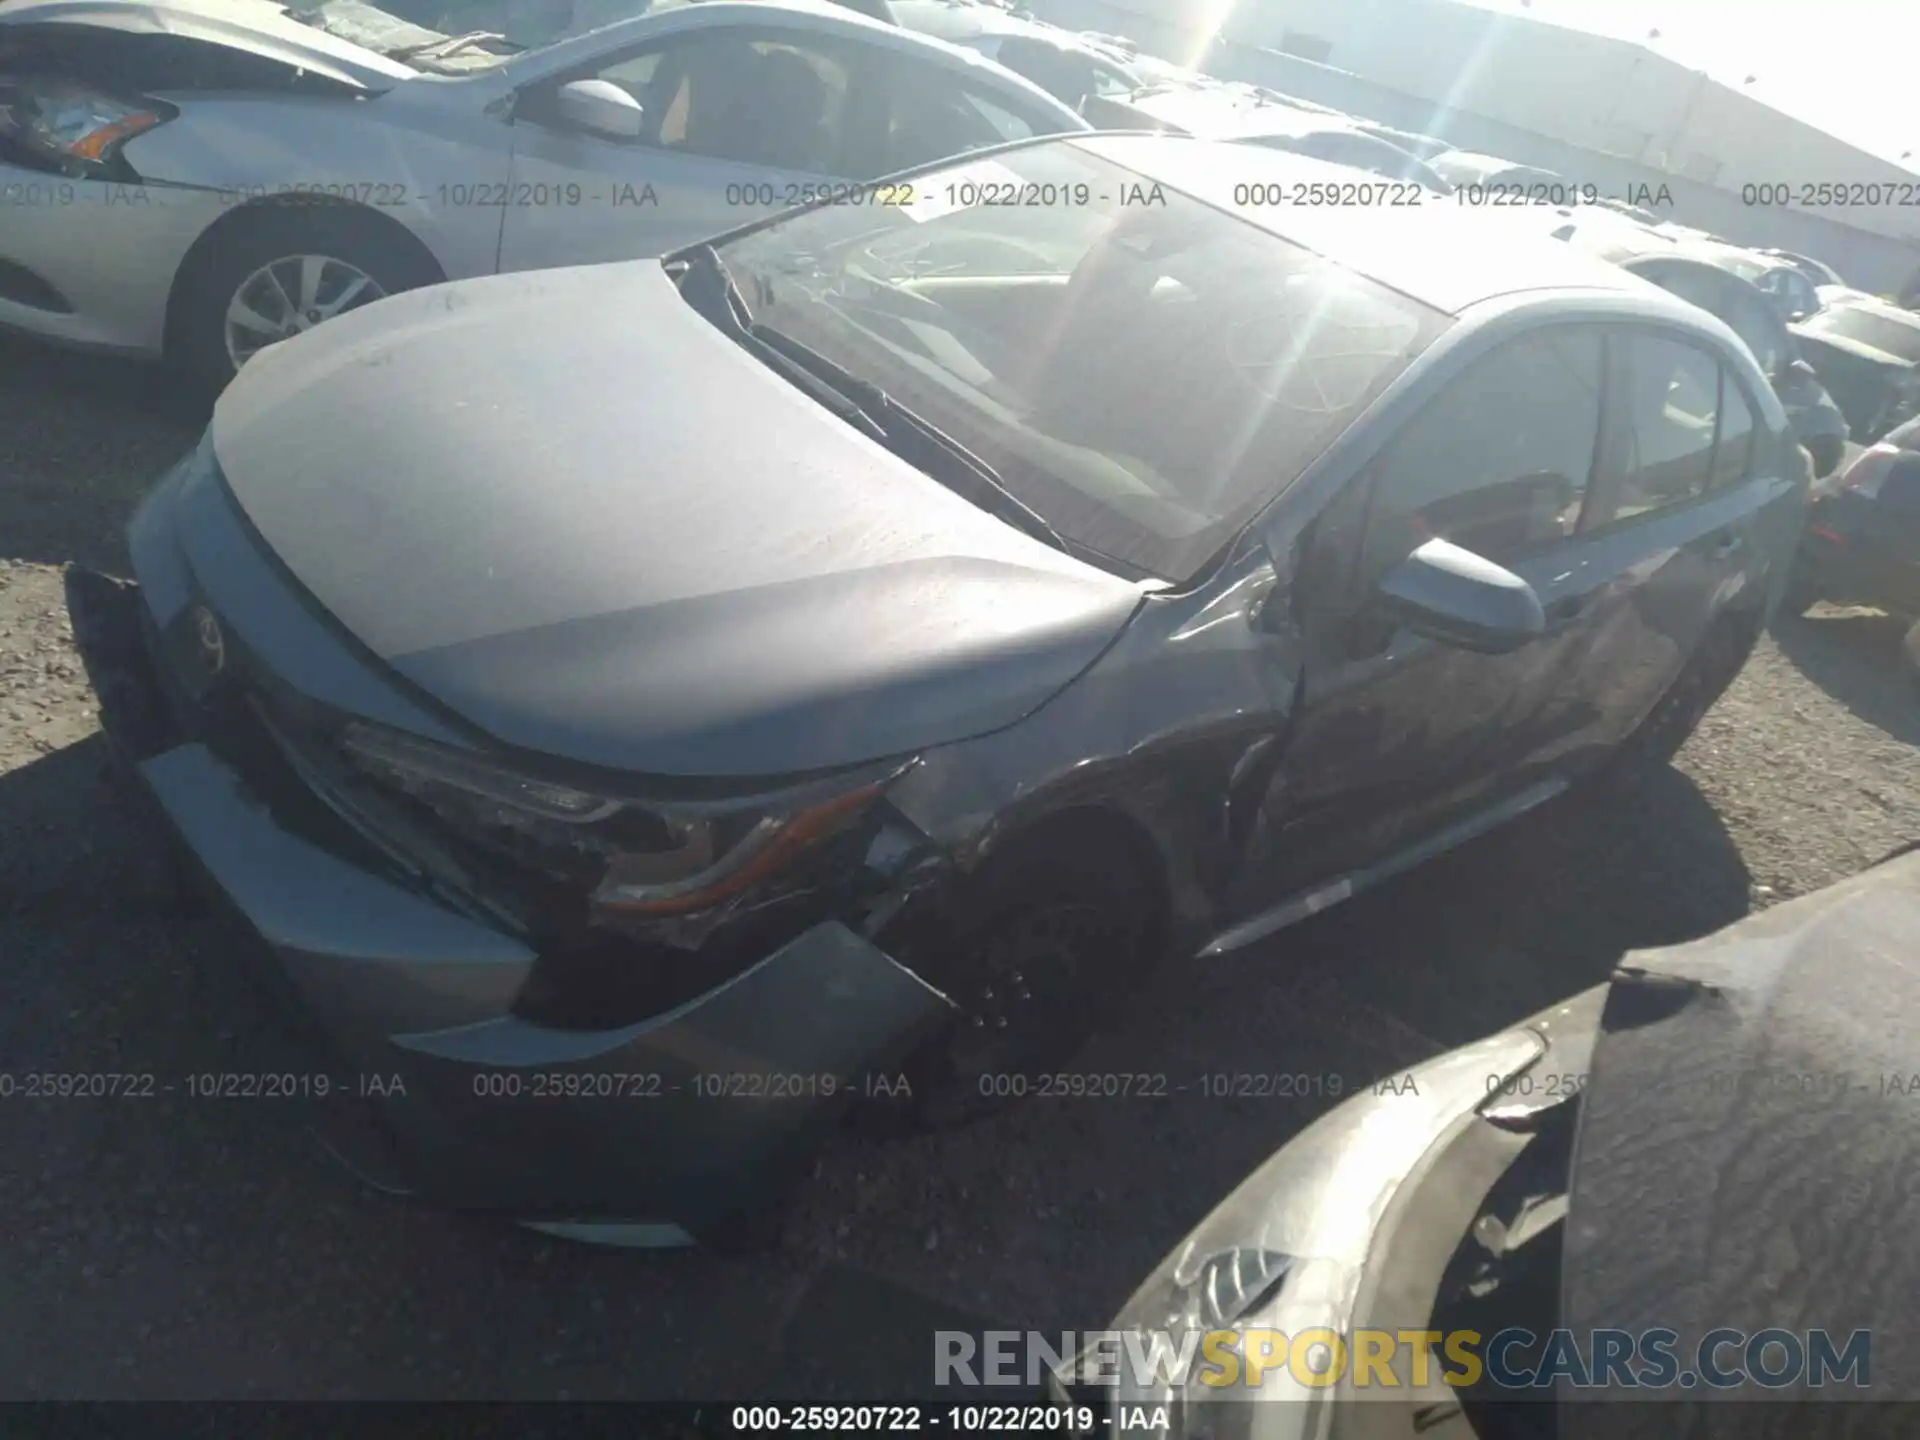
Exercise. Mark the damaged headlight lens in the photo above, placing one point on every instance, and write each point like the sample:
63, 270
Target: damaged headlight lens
1246, 1329
76, 125
636, 859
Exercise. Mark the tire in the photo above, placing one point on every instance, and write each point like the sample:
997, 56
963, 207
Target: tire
1713, 667
363, 258
1045, 948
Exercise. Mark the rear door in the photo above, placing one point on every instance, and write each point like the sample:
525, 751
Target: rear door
1678, 495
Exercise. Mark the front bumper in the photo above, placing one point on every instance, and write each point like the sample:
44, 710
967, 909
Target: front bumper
674, 1126
91, 263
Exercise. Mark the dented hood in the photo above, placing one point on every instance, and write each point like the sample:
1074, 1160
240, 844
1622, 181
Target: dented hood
569, 508
1747, 1149
256, 27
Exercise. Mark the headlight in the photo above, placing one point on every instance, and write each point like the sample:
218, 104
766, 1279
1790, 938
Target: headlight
74, 124
633, 858
1283, 1258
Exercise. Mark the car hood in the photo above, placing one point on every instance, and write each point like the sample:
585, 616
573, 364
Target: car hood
1745, 1149
255, 27
568, 508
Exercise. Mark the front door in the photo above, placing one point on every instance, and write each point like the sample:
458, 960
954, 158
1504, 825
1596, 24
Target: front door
1395, 736
737, 123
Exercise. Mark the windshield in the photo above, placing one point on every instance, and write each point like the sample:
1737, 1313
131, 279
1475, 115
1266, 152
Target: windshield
1869, 327
1142, 370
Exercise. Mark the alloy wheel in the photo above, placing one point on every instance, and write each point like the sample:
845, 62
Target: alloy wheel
290, 295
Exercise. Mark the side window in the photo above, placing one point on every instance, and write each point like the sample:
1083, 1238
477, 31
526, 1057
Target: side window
1500, 461
1733, 460
774, 101
1666, 401
634, 73
935, 113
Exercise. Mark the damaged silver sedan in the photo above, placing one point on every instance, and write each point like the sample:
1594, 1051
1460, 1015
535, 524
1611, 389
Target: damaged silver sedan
651, 707
199, 179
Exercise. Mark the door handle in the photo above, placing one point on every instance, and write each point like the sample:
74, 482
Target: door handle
1728, 546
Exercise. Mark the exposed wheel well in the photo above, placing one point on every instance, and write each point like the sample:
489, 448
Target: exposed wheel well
1098, 845
203, 249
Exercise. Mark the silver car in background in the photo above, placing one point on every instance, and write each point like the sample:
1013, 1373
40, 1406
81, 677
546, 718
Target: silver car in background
201, 178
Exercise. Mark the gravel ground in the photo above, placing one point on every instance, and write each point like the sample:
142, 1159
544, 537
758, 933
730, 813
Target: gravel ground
175, 1248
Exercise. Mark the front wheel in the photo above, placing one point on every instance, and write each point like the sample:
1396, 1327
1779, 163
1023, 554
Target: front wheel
276, 274
1042, 953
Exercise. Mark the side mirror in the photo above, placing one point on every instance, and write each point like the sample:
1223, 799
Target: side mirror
1459, 598
599, 107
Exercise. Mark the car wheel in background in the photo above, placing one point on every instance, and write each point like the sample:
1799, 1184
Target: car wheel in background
269, 274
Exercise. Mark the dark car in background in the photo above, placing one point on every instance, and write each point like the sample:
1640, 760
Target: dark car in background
1862, 545
1221, 114
1867, 353
866, 642
1665, 1150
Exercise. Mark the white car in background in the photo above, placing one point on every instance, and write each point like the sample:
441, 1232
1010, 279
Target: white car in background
198, 179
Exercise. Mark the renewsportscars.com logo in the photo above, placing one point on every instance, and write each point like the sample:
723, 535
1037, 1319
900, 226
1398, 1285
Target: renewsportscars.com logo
1389, 1363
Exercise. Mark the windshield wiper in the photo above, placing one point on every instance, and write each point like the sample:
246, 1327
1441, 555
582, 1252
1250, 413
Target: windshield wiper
707, 286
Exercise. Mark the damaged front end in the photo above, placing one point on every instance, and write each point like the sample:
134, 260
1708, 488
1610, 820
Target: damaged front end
72, 95
618, 1016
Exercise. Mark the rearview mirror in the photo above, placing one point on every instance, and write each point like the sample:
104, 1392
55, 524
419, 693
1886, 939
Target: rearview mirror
599, 107
1460, 598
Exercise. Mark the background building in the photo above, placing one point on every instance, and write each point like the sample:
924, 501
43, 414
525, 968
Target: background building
1598, 110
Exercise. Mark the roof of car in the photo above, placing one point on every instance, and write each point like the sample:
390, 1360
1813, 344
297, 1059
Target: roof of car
1447, 257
